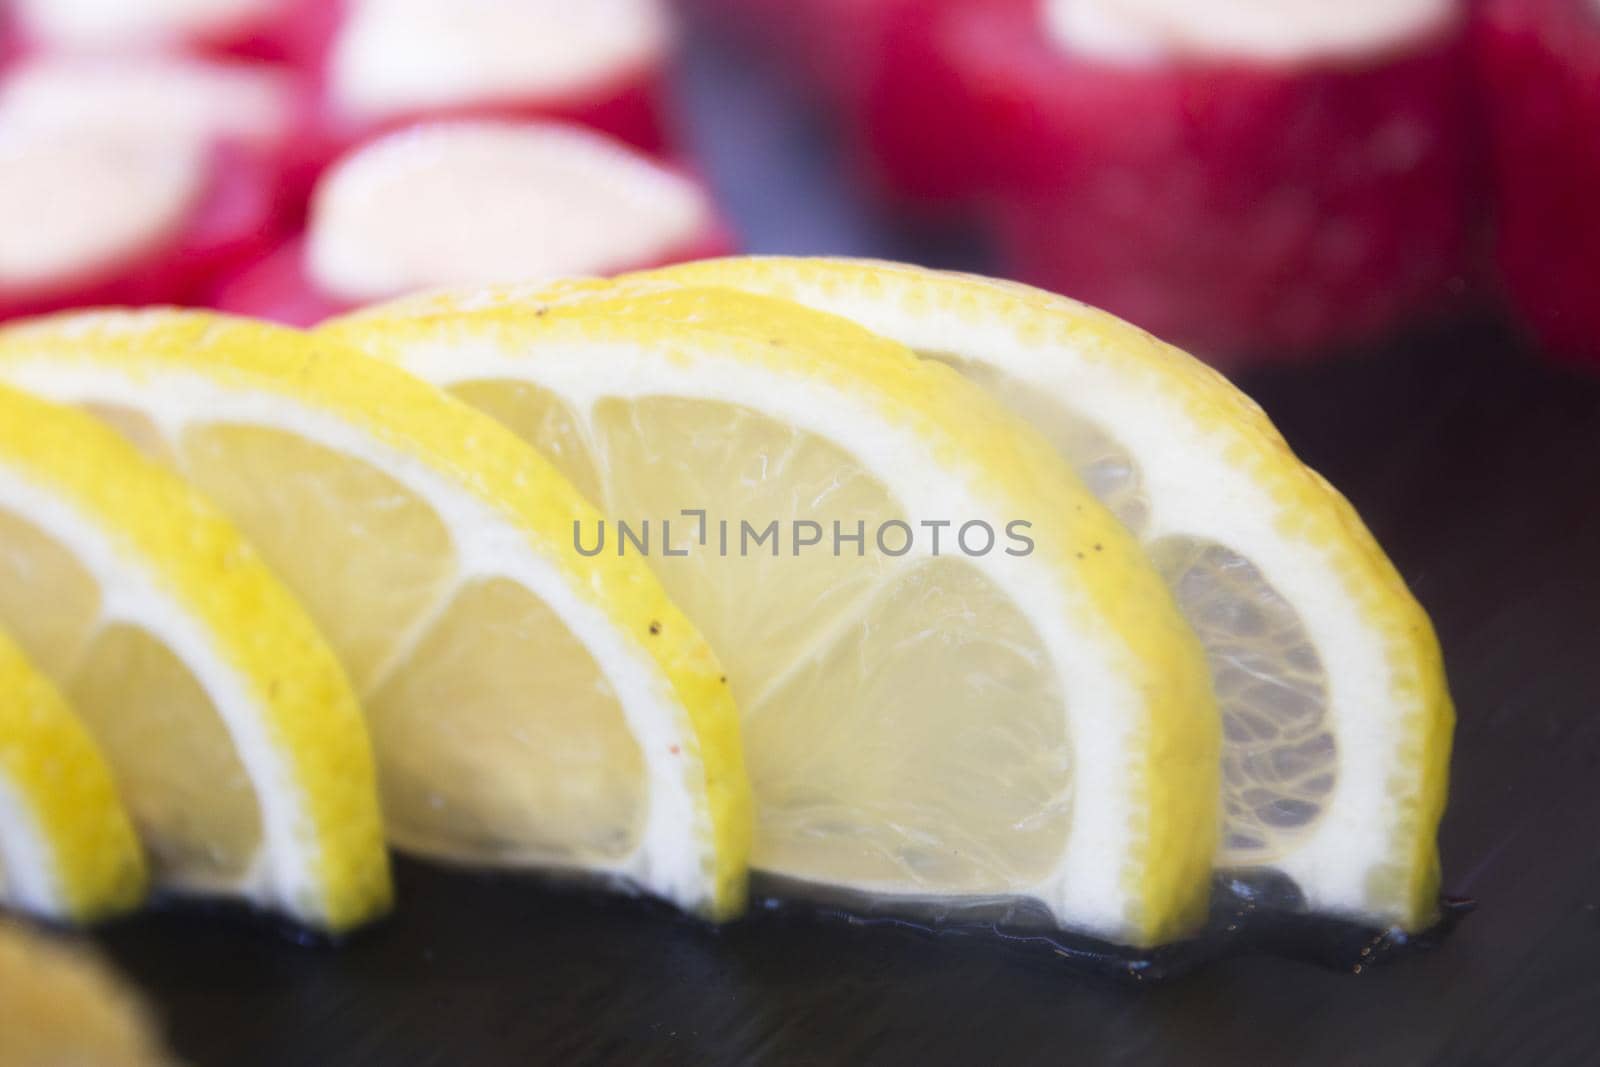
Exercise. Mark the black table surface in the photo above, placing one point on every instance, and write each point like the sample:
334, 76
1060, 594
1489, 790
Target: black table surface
1478, 467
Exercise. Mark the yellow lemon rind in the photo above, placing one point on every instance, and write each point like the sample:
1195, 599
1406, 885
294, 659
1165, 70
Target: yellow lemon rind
256, 628
1406, 893
1167, 885
51, 762
474, 452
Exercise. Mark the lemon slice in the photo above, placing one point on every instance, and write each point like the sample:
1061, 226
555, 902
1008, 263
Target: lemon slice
232, 733
924, 730
67, 848
62, 1006
1336, 713
529, 706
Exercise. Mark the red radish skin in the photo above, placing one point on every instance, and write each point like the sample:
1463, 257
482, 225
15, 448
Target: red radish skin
925, 136
1540, 66
280, 285
9, 45
233, 221
277, 288
1245, 210
629, 103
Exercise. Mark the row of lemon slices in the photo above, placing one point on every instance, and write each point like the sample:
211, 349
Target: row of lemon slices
263, 585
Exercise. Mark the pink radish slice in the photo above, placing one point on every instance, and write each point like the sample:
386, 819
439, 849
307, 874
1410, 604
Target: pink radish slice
1247, 207
392, 63
253, 105
95, 219
171, 168
477, 202
242, 29
1540, 64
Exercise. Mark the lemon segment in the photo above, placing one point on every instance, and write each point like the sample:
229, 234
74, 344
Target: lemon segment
230, 729
529, 706
67, 848
923, 730
1336, 710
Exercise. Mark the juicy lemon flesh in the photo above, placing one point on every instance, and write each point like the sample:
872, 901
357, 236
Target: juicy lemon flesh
50, 601
758, 604
568, 756
365, 556
496, 736
934, 712
1105, 468
189, 796
1279, 758
548, 420
904, 730
135, 427
174, 762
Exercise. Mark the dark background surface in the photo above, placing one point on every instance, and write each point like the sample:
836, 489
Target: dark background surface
1478, 467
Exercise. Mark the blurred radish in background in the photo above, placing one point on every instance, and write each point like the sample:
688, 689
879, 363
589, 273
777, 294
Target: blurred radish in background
1540, 61
601, 63
1257, 180
249, 29
1245, 179
134, 180
468, 202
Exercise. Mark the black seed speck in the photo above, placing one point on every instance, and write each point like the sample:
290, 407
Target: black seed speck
655, 627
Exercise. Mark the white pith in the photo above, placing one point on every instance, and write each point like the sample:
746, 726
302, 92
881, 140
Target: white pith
283, 874
475, 203
29, 881
76, 203
674, 856
398, 56
1196, 485
1279, 31
161, 97
102, 23
1087, 887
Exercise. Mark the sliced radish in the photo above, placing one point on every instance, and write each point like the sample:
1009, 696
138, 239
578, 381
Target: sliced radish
1229, 177
602, 63
470, 202
249, 104
261, 110
1541, 72
81, 208
139, 178
257, 29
